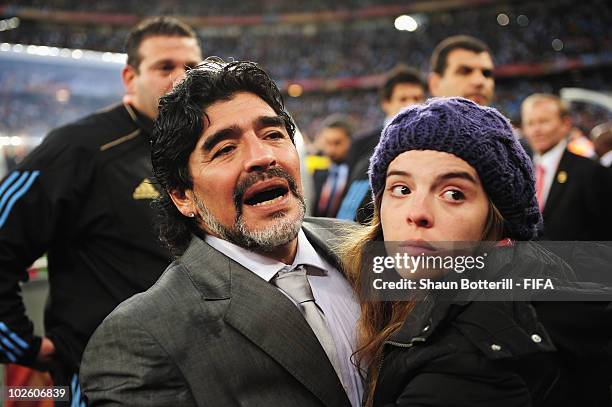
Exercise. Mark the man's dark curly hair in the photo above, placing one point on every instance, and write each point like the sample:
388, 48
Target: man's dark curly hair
180, 124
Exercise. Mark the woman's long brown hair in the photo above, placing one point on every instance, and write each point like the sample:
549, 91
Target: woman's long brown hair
380, 319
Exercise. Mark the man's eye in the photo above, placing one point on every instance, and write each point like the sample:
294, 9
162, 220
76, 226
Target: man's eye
400, 190
166, 68
224, 151
275, 135
453, 195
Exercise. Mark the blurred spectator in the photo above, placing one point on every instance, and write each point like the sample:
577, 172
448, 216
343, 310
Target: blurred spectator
602, 141
462, 66
330, 184
573, 192
402, 87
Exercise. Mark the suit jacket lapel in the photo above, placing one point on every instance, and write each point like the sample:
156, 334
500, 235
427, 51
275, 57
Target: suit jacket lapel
267, 318
557, 188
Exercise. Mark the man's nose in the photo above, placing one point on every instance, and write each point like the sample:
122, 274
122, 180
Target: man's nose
478, 78
258, 155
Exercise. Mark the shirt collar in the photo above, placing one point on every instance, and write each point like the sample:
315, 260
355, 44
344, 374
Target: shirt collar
552, 157
264, 266
606, 159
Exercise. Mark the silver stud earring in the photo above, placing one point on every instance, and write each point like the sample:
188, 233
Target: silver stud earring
191, 215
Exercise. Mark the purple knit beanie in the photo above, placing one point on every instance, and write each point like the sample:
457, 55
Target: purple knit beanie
483, 138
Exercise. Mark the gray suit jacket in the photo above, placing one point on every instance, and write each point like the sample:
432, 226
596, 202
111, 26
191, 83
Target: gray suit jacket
212, 333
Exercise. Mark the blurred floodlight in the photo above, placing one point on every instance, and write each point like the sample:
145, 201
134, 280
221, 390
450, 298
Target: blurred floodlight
557, 44
406, 23
65, 52
120, 58
43, 50
9, 24
31, 49
62, 95
503, 19
77, 54
16, 141
295, 90
5, 46
107, 56
17, 48
54, 51
522, 20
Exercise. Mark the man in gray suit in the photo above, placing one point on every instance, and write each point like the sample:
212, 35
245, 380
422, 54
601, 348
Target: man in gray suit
254, 312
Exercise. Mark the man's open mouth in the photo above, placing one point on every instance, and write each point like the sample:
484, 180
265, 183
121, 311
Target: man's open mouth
266, 193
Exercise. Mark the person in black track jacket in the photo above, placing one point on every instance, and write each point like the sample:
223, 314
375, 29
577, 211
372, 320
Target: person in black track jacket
83, 197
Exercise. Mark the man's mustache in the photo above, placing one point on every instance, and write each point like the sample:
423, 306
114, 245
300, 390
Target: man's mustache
256, 177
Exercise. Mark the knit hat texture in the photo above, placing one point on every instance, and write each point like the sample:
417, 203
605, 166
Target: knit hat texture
479, 135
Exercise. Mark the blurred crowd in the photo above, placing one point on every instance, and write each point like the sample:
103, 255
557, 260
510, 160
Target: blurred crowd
214, 7
363, 47
325, 50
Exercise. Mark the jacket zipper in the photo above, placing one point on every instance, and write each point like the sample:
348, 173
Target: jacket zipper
400, 345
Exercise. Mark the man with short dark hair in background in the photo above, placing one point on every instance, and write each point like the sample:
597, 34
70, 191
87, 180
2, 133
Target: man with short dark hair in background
83, 197
574, 192
462, 66
403, 86
256, 310
330, 184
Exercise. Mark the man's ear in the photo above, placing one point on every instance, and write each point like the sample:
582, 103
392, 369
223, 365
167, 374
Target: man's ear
128, 74
434, 83
184, 202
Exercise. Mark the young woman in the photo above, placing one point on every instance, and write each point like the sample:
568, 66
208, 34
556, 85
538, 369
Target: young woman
451, 170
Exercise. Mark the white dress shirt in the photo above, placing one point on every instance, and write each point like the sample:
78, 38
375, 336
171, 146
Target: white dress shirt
606, 159
331, 291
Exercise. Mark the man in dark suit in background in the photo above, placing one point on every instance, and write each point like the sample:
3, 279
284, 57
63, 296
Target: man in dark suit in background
403, 86
330, 184
574, 192
255, 310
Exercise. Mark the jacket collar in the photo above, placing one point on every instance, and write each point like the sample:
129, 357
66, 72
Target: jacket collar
143, 122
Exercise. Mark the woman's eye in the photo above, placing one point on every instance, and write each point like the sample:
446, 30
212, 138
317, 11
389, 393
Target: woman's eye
400, 190
454, 195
